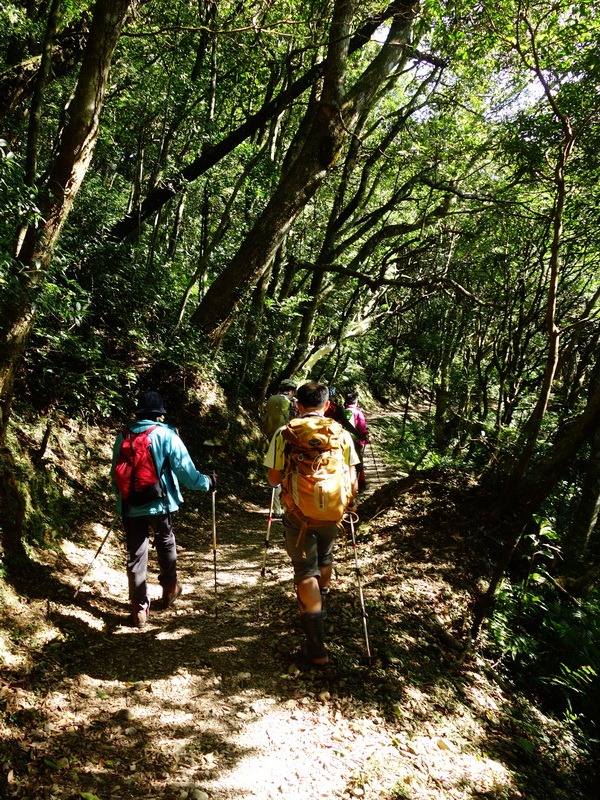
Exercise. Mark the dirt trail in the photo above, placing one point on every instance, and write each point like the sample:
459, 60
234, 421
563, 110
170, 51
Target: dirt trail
210, 687
377, 471
209, 701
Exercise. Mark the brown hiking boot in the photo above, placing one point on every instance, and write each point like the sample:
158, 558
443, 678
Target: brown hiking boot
138, 617
170, 594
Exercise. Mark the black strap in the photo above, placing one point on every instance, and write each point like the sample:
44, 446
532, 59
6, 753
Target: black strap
345, 423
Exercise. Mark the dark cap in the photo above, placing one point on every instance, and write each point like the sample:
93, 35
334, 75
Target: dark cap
150, 403
288, 385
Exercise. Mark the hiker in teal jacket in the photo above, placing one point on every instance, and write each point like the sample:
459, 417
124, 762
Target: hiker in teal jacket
175, 466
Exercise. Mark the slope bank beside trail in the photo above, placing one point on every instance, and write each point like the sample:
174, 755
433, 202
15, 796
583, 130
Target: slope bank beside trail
210, 699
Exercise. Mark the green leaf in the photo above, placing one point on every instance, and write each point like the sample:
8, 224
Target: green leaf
537, 577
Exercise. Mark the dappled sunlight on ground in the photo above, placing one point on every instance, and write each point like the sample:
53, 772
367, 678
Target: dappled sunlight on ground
211, 700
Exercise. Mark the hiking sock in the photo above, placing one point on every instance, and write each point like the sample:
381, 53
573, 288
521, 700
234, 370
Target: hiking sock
312, 625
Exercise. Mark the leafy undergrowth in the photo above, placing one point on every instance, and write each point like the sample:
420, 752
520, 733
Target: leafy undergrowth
211, 701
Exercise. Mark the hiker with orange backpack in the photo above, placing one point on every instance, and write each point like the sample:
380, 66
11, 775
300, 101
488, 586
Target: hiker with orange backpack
314, 460
149, 461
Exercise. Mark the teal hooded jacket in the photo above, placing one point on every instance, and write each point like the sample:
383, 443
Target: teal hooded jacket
166, 444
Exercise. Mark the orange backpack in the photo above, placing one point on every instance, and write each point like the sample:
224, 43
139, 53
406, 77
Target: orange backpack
316, 481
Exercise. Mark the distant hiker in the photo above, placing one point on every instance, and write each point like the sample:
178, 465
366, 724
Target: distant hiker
314, 461
360, 435
346, 417
279, 410
149, 461
333, 410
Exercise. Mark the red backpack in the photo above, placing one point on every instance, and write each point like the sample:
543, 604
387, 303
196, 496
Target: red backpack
136, 475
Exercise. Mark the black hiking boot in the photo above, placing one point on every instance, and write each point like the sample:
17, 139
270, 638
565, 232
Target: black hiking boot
312, 625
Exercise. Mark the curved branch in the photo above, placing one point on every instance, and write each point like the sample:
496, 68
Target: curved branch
435, 282
130, 225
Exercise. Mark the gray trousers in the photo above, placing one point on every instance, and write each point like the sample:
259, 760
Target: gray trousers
137, 534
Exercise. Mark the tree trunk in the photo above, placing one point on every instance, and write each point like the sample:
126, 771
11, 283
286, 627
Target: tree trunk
586, 513
175, 230
534, 423
209, 245
130, 225
35, 113
19, 81
12, 508
536, 487
76, 146
331, 122
570, 439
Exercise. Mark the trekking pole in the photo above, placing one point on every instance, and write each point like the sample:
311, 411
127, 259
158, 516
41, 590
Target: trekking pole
108, 532
214, 540
351, 517
374, 461
264, 562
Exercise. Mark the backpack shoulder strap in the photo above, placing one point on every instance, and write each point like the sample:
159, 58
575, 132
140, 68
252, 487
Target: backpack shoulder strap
166, 463
128, 432
345, 422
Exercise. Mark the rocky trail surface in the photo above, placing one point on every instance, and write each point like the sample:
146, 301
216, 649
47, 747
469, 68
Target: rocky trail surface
211, 701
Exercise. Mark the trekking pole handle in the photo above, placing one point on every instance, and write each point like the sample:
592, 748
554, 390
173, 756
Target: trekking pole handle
350, 517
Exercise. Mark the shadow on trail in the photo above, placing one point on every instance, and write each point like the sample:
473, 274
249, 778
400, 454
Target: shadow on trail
190, 636
427, 540
415, 566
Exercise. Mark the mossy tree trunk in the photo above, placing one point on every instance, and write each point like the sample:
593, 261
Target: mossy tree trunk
75, 147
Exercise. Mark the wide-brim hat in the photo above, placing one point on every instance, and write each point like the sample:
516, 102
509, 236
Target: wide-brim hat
150, 403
